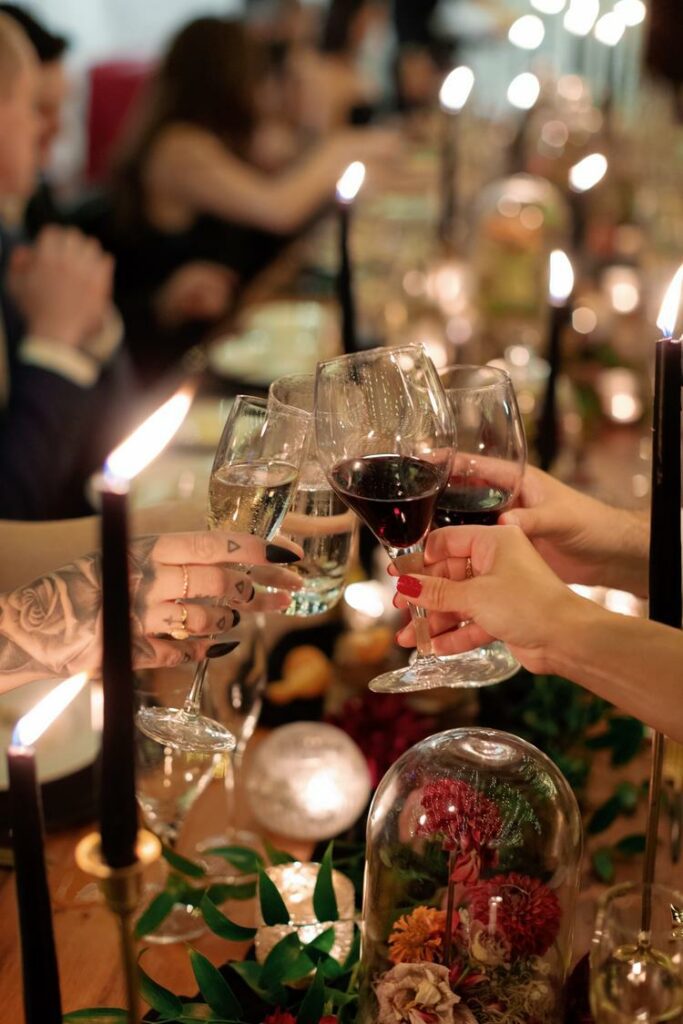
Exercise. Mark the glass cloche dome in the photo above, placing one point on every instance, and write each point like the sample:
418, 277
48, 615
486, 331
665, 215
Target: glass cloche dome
472, 870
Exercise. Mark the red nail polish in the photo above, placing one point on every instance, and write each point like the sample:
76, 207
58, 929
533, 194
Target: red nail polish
409, 586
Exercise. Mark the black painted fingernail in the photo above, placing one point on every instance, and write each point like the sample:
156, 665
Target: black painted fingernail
219, 650
237, 618
276, 553
251, 596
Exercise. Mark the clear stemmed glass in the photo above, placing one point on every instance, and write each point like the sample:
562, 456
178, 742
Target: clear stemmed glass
317, 520
168, 782
384, 433
253, 478
636, 977
485, 479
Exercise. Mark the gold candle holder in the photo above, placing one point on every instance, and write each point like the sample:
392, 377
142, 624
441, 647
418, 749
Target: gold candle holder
122, 889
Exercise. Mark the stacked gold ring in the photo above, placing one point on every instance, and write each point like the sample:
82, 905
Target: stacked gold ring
180, 632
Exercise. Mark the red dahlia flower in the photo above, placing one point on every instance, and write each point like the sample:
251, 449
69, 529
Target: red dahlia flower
528, 916
280, 1017
465, 817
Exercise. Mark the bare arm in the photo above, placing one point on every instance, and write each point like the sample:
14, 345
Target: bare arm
193, 170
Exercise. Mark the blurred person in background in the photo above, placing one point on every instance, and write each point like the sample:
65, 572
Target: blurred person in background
198, 197
62, 374
52, 90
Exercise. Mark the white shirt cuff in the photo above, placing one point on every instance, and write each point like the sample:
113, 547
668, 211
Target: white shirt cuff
101, 346
71, 363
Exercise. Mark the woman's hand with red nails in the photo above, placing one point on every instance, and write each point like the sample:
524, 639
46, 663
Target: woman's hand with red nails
512, 595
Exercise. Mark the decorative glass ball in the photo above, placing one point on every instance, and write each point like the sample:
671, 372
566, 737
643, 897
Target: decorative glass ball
308, 780
472, 870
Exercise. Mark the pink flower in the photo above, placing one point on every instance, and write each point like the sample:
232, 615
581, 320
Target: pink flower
419, 994
527, 912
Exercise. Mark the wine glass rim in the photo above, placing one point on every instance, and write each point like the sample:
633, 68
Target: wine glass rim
374, 352
632, 887
503, 376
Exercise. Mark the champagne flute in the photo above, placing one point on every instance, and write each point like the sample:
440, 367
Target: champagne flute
168, 782
317, 520
486, 477
636, 977
253, 478
384, 433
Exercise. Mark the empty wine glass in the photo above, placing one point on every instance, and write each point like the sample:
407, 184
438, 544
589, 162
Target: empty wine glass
168, 782
485, 479
317, 520
253, 478
384, 434
636, 976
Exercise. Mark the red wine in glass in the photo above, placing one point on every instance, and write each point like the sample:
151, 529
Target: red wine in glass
470, 501
394, 494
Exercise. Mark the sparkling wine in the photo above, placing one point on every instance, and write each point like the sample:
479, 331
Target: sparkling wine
251, 497
469, 501
321, 524
393, 494
637, 984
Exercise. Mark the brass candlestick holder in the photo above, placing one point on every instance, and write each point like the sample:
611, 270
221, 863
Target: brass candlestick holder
122, 888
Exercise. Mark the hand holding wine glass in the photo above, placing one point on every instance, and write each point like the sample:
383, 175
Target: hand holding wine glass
385, 440
253, 478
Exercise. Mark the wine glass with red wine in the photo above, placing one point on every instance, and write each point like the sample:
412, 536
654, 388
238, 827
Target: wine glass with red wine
485, 479
385, 440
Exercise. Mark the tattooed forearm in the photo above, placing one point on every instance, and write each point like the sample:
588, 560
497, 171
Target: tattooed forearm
51, 627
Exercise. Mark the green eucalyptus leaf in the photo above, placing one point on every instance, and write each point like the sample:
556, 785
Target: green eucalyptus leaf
628, 734
214, 988
251, 972
273, 908
313, 1005
153, 915
286, 962
324, 899
627, 795
631, 844
322, 944
223, 891
603, 864
241, 857
159, 998
276, 856
222, 925
100, 1015
603, 817
183, 864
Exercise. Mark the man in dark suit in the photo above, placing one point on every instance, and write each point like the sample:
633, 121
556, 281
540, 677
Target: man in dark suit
59, 336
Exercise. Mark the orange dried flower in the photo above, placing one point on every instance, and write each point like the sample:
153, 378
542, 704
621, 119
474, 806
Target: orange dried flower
418, 936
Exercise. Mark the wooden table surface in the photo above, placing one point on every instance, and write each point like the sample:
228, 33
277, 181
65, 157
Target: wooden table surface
86, 935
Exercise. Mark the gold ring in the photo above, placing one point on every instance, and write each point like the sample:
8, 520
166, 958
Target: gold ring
186, 581
180, 633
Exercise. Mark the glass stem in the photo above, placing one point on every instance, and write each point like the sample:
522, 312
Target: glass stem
411, 560
193, 700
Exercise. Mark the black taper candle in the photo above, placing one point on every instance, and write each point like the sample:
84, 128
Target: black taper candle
666, 601
118, 807
345, 291
547, 443
42, 998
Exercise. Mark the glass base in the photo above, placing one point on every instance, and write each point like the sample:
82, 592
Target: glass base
179, 730
218, 867
481, 667
183, 924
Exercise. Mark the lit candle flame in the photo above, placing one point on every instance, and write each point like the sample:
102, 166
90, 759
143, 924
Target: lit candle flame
561, 277
581, 16
631, 12
548, 6
668, 314
34, 723
150, 438
527, 32
456, 88
609, 29
524, 90
588, 172
349, 185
